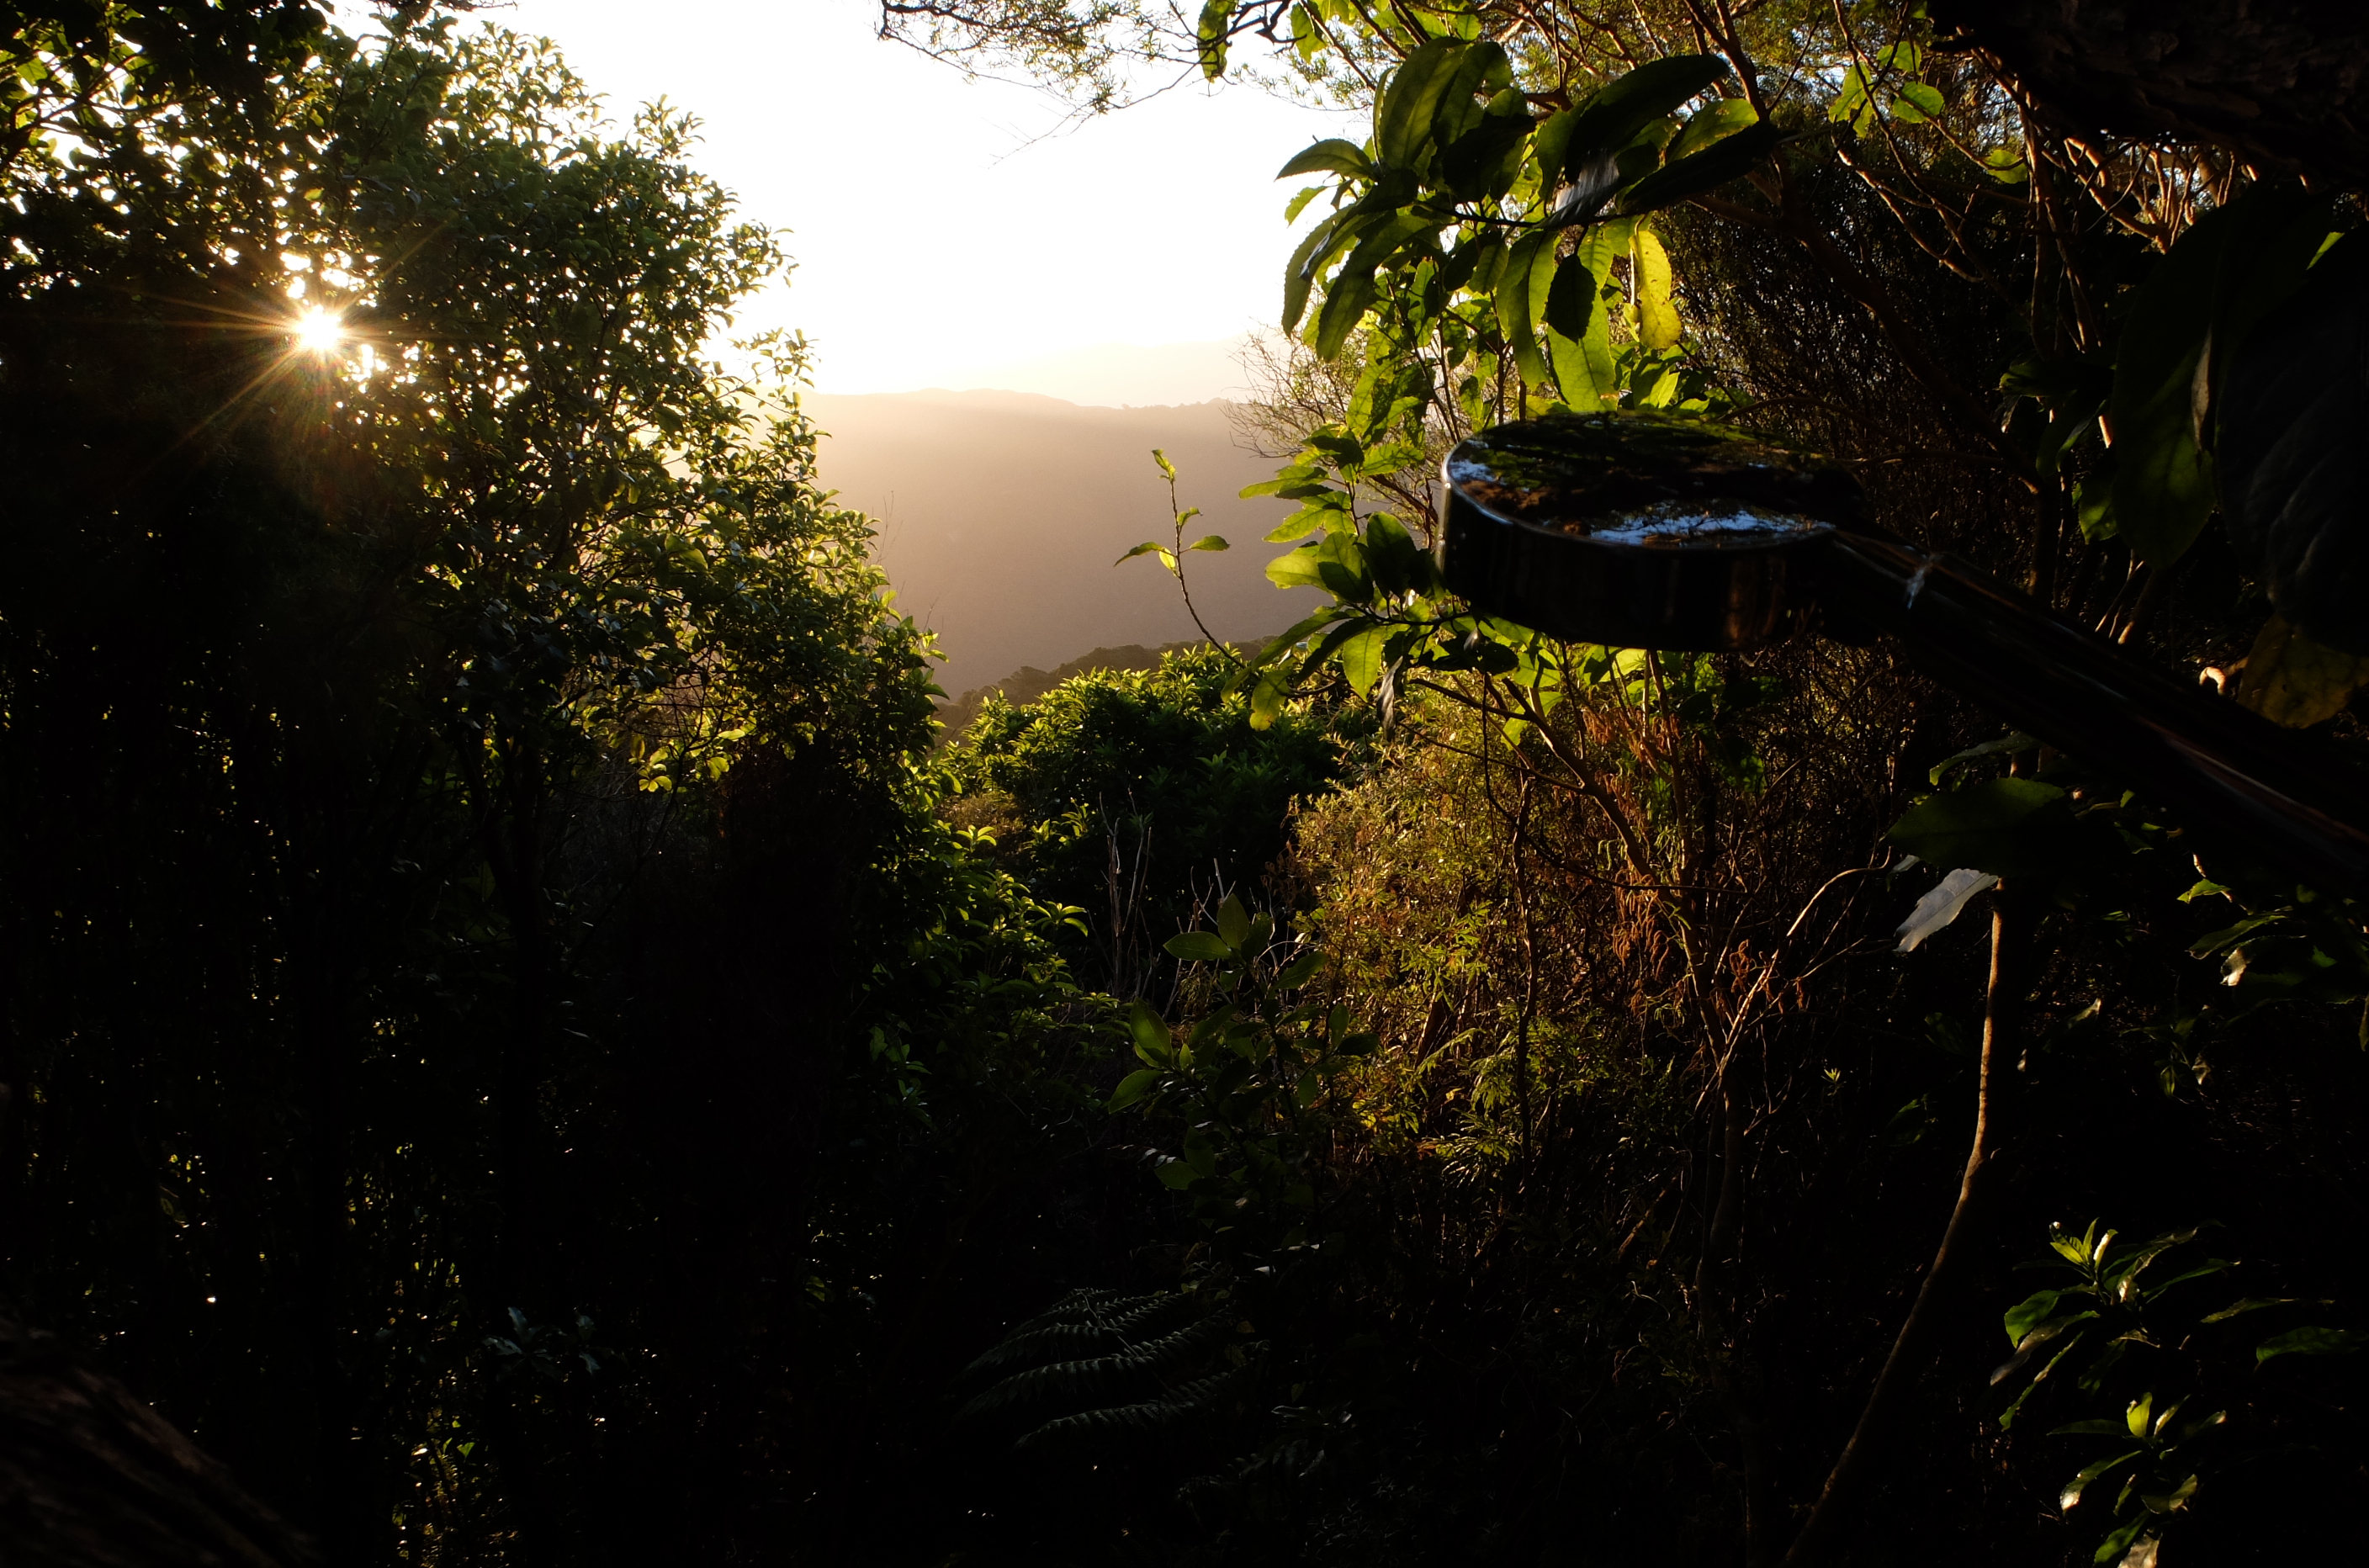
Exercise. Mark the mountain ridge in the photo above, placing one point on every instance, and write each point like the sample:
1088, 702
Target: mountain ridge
998, 516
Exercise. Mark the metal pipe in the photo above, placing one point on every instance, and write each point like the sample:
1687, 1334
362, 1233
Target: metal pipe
2228, 770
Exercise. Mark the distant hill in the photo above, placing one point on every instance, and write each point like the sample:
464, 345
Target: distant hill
1027, 683
1000, 514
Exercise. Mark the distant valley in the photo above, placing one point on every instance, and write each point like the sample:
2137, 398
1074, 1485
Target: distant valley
999, 514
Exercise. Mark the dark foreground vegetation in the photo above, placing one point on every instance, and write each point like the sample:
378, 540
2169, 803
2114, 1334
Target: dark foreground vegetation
520, 1041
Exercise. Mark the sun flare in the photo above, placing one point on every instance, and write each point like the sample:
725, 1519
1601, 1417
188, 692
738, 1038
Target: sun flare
320, 331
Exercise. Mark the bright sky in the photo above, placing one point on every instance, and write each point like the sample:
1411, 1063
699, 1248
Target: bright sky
949, 233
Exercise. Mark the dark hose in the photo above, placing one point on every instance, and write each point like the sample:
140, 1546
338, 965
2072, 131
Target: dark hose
2231, 771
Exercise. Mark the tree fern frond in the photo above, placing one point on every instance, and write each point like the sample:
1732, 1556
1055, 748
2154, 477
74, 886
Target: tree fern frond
1075, 1328
1197, 1401
1063, 1340
1100, 1376
1088, 1304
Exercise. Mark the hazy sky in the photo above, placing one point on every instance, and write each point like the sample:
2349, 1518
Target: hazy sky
949, 233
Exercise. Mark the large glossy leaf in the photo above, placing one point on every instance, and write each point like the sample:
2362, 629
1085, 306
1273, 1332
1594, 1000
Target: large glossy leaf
1296, 568
1584, 367
1323, 241
2080, 1483
1361, 658
1941, 907
1403, 115
1332, 154
2197, 303
1482, 163
1582, 362
1198, 947
1233, 923
1611, 119
1730, 158
1550, 147
1397, 564
2029, 1315
1482, 71
1133, 1087
1657, 314
1352, 291
2296, 681
1519, 300
2294, 438
1209, 37
1572, 300
2310, 1342
1711, 123
1152, 1041
2006, 827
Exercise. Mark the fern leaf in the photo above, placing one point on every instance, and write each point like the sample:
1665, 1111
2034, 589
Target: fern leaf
1197, 1401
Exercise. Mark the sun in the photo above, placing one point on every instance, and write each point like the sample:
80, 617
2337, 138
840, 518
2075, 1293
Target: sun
320, 331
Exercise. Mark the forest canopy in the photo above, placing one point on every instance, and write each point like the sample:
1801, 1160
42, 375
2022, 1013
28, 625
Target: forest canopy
525, 1040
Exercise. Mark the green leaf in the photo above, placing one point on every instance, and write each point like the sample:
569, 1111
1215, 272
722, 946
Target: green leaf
1482, 165
1210, 36
2124, 1548
2188, 319
1520, 302
2007, 165
1403, 114
1210, 542
2014, 741
1198, 947
1550, 148
2029, 1315
1233, 923
2292, 681
1583, 365
2071, 1494
1278, 646
2248, 1304
1323, 241
1154, 1043
2038, 1340
1361, 658
1657, 315
2008, 1417
1133, 1087
1320, 511
1731, 158
1917, 103
1149, 548
1714, 123
1272, 690
1611, 119
1302, 567
2312, 1341
1332, 154
1572, 301
2006, 827
1176, 1175
1301, 969
1396, 562
2093, 506
2230, 935
1584, 369
1351, 292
